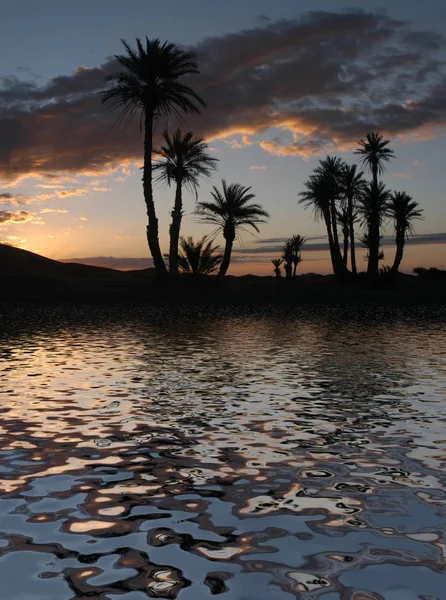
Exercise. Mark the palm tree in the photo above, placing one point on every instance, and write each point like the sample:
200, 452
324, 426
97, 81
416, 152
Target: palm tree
231, 211
185, 162
287, 257
296, 242
374, 153
198, 258
352, 184
330, 169
277, 263
317, 196
372, 207
150, 84
403, 210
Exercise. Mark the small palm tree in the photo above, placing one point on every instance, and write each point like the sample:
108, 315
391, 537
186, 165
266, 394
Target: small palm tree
231, 211
352, 184
374, 153
185, 162
151, 85
287, 257
277, 263
296, 242
198, 258
403, 210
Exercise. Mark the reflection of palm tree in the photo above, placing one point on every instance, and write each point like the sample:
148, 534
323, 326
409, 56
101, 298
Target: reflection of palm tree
231, 211
277, 263
352, 184
198, 258
150, 84
185, 162
403, 210
374, 153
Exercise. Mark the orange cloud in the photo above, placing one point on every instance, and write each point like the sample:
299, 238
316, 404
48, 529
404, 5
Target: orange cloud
257, 168
54, 210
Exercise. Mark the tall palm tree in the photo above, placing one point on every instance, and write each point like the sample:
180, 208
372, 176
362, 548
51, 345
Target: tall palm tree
185, 162
318, 196
352, 184
403, 210
230, 211
373, 154
277, 263
331, 169
150, 85
372, 207
198, 258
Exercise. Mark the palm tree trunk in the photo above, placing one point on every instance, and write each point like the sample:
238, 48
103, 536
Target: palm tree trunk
345, 255
227, 256
152, 227
352, 235
177, 214
373, 265
342, 269
294, 269
400, 241
335, 253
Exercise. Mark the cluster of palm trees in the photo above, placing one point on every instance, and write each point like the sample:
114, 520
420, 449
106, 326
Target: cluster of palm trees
290, 258
152, 85
339, 194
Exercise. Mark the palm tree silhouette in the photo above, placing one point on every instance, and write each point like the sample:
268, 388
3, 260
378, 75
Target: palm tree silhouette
373, 154
231, 211
403, 210
372, 207
352, 184
185, 162
287, 257
319, 194
150, 85
296, 243
330, 169
277, 263
198, 258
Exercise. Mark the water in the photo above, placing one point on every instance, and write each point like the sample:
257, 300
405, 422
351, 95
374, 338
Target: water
273, 456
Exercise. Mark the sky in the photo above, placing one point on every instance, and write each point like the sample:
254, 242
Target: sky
285, 83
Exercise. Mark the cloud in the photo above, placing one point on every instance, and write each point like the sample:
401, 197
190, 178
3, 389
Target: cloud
324, 80
83, 219
257, 168
21, 216
63, 194
101, 189
15, 199
275, 245
402, 175
54, 210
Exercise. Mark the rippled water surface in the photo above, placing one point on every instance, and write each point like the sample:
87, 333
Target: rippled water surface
263, 456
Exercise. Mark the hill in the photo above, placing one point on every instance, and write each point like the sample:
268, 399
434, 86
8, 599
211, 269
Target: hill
26, 274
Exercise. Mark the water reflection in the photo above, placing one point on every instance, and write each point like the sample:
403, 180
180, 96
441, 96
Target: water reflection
258, 456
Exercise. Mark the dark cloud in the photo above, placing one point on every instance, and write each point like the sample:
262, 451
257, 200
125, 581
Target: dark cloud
20, 216
326, 78
275, 245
